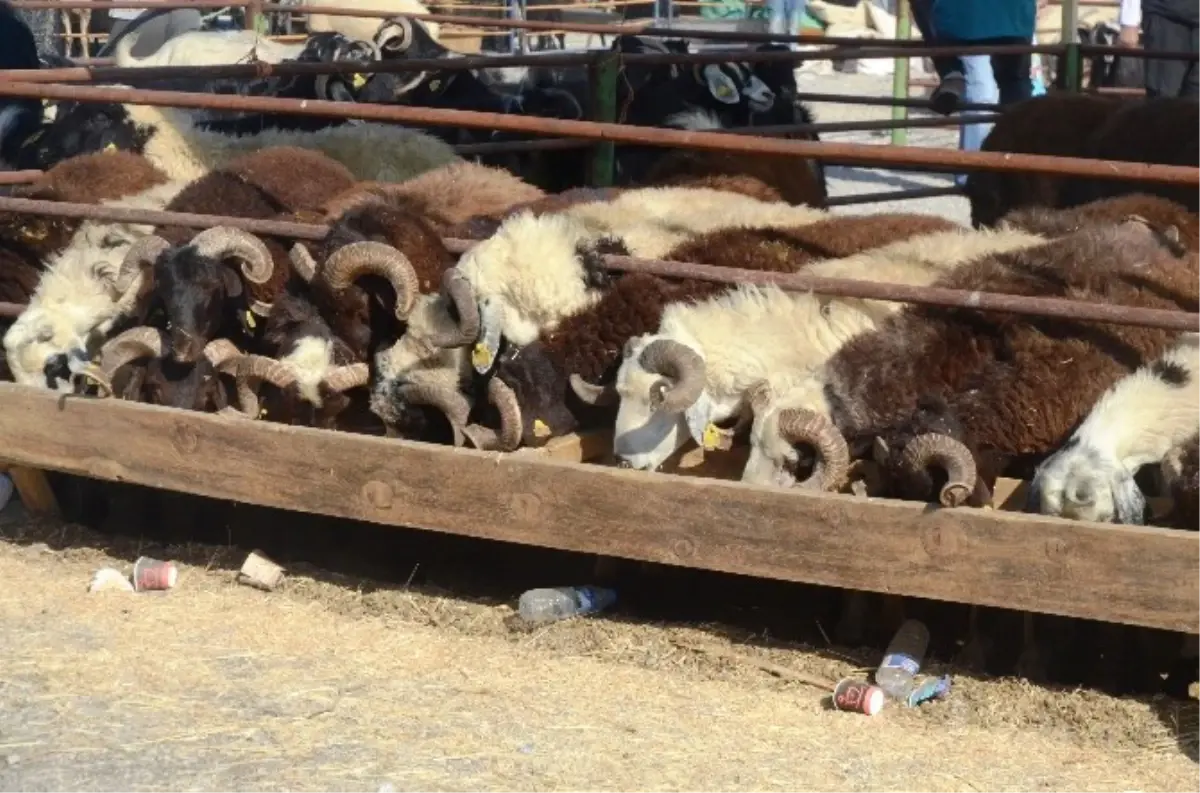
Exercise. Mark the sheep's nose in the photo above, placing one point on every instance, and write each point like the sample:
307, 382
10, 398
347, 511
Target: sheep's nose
56, 368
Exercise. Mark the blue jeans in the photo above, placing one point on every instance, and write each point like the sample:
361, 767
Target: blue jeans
783, 17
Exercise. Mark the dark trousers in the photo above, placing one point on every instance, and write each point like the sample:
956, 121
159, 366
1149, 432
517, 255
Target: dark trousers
1169, 78
1012, 73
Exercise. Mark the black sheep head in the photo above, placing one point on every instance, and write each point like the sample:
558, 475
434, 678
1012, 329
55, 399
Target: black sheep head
198, 290
542, 389
929, 458
82, 129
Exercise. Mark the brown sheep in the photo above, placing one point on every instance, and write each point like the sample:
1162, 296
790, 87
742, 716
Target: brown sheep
950, 386
1056, 124
793, 182
550, 378
86, 179
1160, 213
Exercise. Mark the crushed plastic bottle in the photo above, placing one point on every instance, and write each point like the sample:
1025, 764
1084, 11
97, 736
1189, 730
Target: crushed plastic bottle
548, 605
903, 659
927, 690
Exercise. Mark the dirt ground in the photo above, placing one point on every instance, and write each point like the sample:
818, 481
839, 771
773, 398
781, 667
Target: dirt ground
349, 684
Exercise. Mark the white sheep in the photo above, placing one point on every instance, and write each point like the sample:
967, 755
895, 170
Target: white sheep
80, 296
208, 48
1140, 421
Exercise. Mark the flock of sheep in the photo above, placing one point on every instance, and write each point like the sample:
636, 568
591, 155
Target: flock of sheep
535, 332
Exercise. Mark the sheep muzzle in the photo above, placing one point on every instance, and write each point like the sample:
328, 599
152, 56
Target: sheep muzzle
944, 452
680, 364
800, 425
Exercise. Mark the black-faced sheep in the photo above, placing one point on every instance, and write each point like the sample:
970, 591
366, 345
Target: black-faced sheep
585, 349
704, 358
1057, 124
1160, 213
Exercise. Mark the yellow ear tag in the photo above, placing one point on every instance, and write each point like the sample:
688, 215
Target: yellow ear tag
35, 235
251, 322
481, 356
262, 412
111, 147
540, 430
711, 438
435, 86
358, 81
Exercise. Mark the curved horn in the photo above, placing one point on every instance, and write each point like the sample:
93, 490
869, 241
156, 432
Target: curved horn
140, 342
385, 35
800, 425
221, 353
461, 294
509, 438
595, 395
343, 378
221, 242
759, 397
303, 264
357, 259
250, 371
679, 363
139, 258
451, 402
952, 456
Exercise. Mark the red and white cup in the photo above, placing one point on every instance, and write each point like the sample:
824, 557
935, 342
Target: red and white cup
151, 575
858, 696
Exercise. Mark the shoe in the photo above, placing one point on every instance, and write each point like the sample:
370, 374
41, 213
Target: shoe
949, 93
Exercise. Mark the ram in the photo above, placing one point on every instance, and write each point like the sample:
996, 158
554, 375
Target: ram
86, 289
1181, 472
1160, 212
562, 382
720, 349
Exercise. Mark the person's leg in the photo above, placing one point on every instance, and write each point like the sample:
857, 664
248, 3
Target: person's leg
1160, 34
1012, 74
777, 17
980, 89
1191, 80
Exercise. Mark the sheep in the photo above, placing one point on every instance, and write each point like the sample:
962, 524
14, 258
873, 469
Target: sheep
556, 379
87, 179
1159, 212
207, 48
1181, 471
167, 137
978, 393
77, 129
1137, 422
722, 353
445, 197
365, 28
1161, 130
1056, 124
81, 296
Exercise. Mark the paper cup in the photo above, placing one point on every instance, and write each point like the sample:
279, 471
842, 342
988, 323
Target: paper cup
858, 696
152, 574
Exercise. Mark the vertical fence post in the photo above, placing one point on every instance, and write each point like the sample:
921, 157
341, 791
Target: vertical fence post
900, 70
602, 100
254, 16
1070, 67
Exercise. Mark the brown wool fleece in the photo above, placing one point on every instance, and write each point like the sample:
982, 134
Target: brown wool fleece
1016, 385
794, 179
1161, 213
1056, 124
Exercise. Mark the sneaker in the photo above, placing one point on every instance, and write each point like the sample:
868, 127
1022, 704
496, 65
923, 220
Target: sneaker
946, 97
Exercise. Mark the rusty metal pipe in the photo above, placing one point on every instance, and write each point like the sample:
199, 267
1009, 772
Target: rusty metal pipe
853, 154
20, 177
893, 195
887, 101
63, 209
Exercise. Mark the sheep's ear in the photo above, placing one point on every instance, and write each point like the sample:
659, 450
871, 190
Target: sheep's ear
699, 419
1129, 502
721, 85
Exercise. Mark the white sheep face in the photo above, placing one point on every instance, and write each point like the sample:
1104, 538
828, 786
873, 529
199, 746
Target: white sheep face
1084, 483
43, 333
643, 437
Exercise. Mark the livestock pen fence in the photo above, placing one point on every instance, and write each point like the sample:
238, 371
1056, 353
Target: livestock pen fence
546, 496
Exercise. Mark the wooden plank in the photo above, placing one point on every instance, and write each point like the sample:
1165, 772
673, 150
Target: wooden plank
1136, 575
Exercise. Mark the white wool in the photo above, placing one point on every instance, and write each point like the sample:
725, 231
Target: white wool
208, 48
372, 152
73, 307
1139, 421
310, 360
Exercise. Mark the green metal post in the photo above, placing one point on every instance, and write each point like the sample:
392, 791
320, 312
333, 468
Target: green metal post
602, 94
900, 74
1071, 67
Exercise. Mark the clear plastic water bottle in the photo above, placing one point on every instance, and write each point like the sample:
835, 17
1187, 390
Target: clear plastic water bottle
547, 605
903, 659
